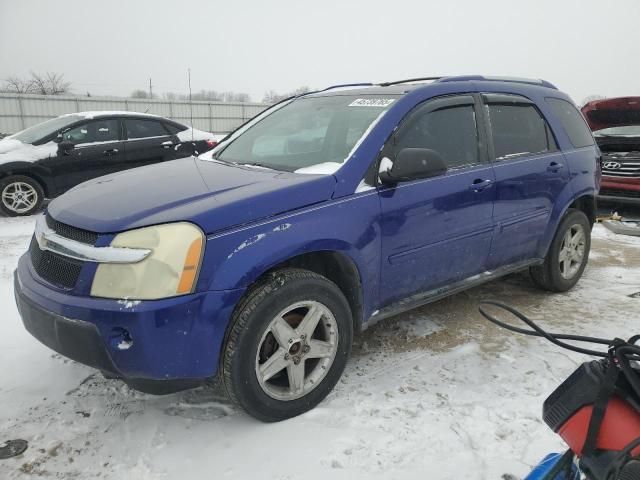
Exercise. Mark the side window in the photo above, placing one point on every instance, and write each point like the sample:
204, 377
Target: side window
518, 129
174, 129
572, 121
143, 128
450, 131
94, 132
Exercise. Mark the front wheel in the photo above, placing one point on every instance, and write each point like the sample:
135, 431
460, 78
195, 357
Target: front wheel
288, 345
567, 256
20, 195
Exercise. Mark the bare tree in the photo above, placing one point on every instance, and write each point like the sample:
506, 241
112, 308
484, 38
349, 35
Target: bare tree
272, 96
14, 84
139, 94
50, 83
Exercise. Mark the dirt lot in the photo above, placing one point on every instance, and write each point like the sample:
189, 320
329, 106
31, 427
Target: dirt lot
434, 393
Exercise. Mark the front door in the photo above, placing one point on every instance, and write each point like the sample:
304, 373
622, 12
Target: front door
437, 231
530, 175
97, 146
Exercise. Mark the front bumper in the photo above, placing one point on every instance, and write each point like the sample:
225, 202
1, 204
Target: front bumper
620, 190
175, 342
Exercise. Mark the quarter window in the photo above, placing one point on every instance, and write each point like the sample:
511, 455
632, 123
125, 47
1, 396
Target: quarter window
94, 132
572, 121
518, 129
138, 128
450, 131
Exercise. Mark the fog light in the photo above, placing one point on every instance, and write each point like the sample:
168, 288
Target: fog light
120, 339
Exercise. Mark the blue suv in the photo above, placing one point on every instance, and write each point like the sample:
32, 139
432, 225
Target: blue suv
259, 261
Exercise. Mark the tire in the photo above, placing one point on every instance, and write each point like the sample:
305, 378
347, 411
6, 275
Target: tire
560, 272
30, 192
285, 304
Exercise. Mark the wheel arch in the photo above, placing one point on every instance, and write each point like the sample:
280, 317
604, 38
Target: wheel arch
26, 170
585, 203
335, 265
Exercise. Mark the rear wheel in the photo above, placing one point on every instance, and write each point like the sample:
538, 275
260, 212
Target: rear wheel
20, 195
288, 345
568, 254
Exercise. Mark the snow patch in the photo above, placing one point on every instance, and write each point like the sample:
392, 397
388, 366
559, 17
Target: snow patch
364, 187
326, 168
12, 150
193, 134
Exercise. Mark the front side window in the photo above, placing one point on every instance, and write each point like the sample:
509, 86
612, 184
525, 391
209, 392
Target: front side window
518, 130
450, 131
46, 129
143, 128
572, 121
96, 131
307, 132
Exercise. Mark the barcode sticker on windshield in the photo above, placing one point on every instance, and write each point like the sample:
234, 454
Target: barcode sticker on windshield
372, 102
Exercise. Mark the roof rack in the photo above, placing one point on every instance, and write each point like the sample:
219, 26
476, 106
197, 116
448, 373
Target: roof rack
345, 85
409, 80
528, 81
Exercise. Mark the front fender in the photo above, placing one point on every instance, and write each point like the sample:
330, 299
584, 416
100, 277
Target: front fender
237, 258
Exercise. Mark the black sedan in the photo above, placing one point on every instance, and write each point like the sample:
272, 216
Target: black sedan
48, 159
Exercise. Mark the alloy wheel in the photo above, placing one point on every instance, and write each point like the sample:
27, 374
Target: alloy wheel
19, 197
572, 251
297, 350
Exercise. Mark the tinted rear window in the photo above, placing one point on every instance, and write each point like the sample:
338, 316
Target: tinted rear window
138, 128
572, 121
518, 129
173, 128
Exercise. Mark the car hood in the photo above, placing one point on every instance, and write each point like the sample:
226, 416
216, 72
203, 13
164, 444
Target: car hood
210, 194
12, 150
612, 112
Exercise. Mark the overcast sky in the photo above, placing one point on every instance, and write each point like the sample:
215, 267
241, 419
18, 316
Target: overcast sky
112, 47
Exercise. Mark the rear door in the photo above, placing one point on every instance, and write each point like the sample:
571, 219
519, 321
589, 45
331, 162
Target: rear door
97, 146
147, 141
530, 175
437, 231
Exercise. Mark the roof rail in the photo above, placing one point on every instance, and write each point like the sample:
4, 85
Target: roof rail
408, 80
529, 81
344, 85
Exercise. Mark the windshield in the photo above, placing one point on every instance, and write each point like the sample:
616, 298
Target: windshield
628, 131
44, 129
310, 134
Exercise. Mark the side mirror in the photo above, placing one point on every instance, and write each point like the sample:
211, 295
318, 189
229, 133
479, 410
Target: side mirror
58, 138
64, 147
412, 164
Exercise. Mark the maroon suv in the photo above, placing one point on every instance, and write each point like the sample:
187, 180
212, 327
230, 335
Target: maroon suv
615, 123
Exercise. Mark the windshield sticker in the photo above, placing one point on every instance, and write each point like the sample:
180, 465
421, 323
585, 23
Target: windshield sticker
372, 102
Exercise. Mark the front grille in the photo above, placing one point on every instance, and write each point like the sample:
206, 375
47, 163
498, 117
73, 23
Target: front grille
56, 269
77, 234
614, 192
621, 166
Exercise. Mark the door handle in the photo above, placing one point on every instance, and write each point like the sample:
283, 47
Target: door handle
479, 184
110, 152
167, 144
555, 167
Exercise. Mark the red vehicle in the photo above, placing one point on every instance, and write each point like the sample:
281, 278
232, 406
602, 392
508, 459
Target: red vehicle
615, 123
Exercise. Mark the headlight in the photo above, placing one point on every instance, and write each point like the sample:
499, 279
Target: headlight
170, 270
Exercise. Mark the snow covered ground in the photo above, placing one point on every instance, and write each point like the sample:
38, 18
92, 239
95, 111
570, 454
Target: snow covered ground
436, 393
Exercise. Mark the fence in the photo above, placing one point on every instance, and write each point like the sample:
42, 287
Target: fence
21, 111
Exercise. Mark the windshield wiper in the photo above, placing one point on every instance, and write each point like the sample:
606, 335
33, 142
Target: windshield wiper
253, 164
